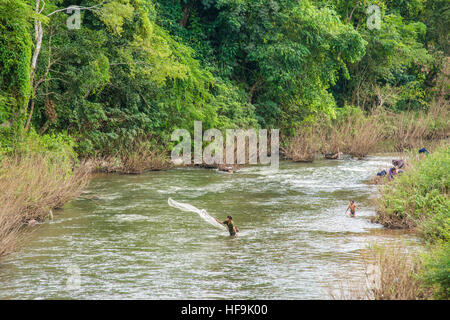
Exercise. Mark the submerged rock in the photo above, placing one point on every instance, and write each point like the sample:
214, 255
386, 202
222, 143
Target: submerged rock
32, 222
333, 156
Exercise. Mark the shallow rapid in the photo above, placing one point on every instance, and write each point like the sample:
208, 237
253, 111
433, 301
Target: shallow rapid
122, 240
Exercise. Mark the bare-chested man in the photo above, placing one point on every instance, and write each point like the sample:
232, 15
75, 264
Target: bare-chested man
352, 208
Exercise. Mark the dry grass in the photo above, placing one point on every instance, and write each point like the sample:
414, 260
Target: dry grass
410, 130
245, 151
29, 187
392, 273
354, 135
358, 134
302, 147
140, 157
378, 180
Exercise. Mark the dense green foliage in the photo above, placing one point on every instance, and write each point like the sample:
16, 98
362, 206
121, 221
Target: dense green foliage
142, 68
15, 55
420, 197
136, 70
436, 272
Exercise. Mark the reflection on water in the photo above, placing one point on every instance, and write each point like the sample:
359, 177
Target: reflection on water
129, 244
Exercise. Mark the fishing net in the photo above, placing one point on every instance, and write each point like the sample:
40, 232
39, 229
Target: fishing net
202, 213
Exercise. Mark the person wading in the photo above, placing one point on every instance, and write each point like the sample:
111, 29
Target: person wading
352, 208
230, 224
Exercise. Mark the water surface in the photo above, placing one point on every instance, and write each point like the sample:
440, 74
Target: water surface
295, 241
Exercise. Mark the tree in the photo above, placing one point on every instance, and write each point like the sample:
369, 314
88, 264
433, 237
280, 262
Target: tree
15, 55
112, 12
395, 56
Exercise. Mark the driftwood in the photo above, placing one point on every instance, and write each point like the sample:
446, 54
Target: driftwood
333, 156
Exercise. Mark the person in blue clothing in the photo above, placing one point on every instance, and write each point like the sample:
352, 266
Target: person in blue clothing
392, 173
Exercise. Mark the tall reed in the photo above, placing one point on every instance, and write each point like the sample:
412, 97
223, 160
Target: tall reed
359, 134
391, 273
30, 186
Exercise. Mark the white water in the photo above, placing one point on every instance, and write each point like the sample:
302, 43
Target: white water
295, 240
202, 213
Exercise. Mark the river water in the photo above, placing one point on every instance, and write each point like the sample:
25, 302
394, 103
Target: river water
127, 243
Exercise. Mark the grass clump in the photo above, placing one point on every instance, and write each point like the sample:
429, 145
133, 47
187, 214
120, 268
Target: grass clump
141, 155
436, 270
392, 272
419, 198
37, 174
358, 134
395, 274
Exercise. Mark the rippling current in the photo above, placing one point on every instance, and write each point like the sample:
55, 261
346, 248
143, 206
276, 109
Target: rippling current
121, 240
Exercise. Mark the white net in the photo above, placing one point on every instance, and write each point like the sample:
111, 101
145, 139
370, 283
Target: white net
202, 213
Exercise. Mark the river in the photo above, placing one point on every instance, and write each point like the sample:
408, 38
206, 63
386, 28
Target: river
127, 243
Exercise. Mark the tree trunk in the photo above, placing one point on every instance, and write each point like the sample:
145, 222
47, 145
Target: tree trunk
254, 87
38, 34
186, 8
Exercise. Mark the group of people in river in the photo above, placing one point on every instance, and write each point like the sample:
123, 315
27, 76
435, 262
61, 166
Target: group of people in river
397, 168
393, 171
398, 165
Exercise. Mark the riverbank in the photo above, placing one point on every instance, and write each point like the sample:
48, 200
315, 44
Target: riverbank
128, 243
353, 132
358, 134
419, 200
37, 175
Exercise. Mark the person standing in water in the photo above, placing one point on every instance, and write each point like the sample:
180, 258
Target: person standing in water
352, 208
230, 224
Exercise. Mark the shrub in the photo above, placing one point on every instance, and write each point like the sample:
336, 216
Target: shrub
358, 134
392, 273
419, 197
37, 174
140, 155
436, 271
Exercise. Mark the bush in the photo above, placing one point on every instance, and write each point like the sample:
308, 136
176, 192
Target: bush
30, 186
37, 174
144, 153
436, 272
358, 134
392, 273
57, 147
419, 197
